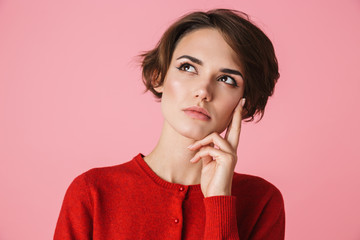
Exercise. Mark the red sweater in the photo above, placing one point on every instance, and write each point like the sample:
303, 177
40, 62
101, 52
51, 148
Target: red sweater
129, 201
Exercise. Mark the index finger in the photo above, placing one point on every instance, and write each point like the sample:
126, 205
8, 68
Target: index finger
233, 131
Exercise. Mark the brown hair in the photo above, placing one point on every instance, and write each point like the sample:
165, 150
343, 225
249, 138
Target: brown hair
253, 48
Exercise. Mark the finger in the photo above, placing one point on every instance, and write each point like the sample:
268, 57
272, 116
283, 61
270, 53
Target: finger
233, 131
204, 155
213, 138
212, 154
228, 130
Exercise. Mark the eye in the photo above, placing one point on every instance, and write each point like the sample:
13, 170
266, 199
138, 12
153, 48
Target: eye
187, 68
229, 80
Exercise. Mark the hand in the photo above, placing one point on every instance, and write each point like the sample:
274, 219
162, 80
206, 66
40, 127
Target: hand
218, 164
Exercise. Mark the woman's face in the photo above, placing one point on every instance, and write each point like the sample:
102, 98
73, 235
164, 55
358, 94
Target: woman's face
204, 72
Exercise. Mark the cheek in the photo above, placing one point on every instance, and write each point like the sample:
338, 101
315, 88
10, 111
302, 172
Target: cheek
172, 98
226, 109
228, 103
174, 89
228, 114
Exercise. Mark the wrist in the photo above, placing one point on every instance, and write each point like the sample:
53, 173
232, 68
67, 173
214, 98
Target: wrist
224, 193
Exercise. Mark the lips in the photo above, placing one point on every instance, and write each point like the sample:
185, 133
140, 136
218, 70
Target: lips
197, 112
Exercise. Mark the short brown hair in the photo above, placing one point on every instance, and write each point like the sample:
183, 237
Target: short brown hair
253, 48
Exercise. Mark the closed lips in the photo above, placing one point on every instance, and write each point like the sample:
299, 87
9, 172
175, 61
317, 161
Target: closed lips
199, 110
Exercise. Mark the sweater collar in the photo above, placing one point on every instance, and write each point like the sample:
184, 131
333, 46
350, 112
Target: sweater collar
140, 160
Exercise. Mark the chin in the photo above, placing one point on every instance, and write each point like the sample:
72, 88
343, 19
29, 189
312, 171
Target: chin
198, 133
195, 134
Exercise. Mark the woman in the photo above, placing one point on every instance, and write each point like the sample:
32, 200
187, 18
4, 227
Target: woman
211, 70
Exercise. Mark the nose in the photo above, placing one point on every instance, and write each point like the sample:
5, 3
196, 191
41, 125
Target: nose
204, 90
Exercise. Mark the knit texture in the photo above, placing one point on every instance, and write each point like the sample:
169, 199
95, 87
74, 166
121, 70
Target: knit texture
129, 201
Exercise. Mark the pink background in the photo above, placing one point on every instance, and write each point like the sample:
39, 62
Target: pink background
71, 99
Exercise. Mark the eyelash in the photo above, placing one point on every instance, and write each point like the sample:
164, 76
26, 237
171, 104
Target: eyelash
221, 77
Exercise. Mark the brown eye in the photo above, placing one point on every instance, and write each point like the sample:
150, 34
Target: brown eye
187, 68
229, 80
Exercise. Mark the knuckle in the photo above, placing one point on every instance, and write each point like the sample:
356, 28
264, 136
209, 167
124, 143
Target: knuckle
207, 148
214, 135
201, 151
232, 157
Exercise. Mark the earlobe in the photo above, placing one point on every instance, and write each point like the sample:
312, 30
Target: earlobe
156, 86
159, 89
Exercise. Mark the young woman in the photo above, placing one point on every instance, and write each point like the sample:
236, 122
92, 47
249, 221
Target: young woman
211, 70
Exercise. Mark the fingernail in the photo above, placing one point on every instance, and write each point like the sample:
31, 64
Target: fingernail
193, 159
243, 102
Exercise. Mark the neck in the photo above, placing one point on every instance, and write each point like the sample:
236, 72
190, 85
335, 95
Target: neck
170, 158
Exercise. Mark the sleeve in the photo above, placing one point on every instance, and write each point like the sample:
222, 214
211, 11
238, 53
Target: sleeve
221, 218
220, 222
271, 222
75, 219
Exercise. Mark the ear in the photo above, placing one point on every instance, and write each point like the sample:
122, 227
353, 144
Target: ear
160, 88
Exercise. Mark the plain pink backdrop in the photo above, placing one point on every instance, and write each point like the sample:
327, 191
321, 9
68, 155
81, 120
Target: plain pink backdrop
71, 99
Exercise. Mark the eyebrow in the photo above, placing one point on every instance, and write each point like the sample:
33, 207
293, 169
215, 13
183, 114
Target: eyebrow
224, 70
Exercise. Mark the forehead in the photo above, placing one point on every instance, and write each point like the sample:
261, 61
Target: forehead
208, 45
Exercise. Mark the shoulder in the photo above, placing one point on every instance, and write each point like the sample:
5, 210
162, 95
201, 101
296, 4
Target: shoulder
260, 206
111, 174
106, 177
255, 188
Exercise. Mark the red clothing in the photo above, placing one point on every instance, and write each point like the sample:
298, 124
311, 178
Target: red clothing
129, 201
